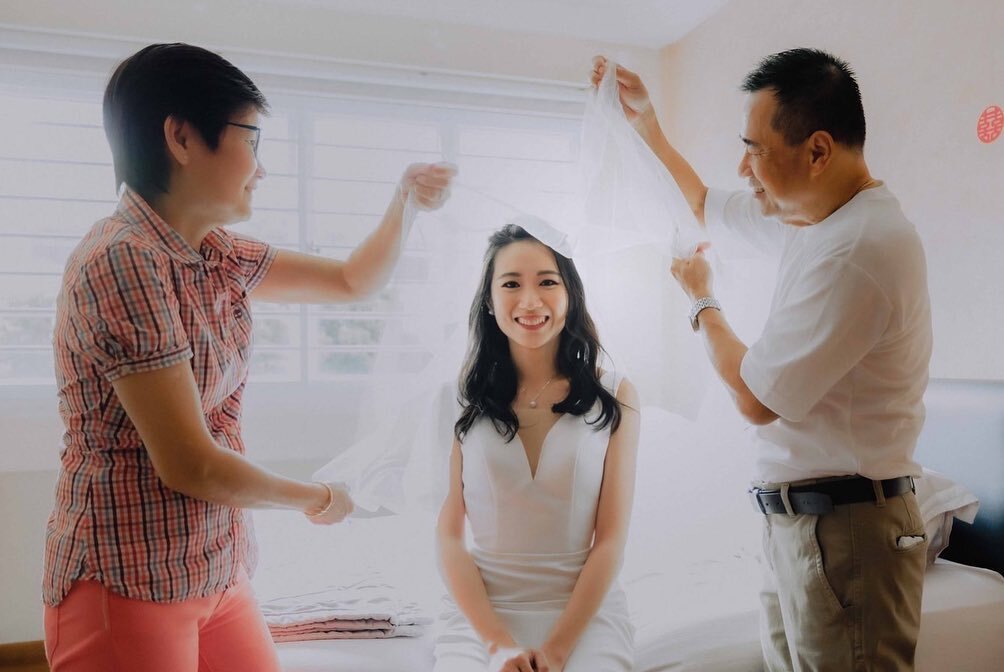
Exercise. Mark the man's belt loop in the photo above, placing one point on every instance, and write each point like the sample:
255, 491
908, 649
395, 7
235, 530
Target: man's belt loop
784, 498
879, 493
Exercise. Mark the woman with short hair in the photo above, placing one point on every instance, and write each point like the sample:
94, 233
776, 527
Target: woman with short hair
149, 547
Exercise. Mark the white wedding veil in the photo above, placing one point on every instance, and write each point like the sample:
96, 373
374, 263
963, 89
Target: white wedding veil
626, 221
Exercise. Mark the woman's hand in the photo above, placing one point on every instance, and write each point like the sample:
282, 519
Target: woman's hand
545, 659
549, 658
430, 183
337, 506
515, 660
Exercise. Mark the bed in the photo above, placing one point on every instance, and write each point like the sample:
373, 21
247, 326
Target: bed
691, 580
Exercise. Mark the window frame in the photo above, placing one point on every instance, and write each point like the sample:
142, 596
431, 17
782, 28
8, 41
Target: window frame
75, 67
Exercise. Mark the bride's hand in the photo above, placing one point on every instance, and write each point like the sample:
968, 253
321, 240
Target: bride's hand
548, 659
515, 660
633, 94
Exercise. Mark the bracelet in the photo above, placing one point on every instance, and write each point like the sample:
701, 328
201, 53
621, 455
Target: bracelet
327, 507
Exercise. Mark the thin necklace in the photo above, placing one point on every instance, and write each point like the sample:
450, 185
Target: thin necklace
533, 402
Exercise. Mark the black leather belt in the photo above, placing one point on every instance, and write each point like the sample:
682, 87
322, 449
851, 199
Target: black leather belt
818, 499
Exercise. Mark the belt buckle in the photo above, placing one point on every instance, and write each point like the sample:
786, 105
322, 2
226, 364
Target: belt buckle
754, 493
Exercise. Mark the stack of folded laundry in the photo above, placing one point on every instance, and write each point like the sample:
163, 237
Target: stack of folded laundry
365, 609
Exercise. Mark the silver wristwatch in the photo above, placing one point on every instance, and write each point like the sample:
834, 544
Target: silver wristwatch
701, 304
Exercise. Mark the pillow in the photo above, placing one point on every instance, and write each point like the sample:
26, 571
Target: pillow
941, 500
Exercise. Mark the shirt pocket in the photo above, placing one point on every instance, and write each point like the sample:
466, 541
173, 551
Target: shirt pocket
220, 332
241, 326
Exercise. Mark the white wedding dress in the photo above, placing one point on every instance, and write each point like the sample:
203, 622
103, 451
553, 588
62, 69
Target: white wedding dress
531, 537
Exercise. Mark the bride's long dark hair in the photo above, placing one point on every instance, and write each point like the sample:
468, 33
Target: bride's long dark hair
488, 378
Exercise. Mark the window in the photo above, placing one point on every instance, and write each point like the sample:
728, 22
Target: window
55, 179
338, 140
332, 162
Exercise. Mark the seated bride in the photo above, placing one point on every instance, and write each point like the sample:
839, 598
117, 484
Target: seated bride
543, 468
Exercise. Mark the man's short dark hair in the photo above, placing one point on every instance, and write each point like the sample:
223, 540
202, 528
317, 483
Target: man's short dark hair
159, 81
815, 91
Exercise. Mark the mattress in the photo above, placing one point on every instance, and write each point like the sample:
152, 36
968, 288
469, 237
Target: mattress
962, 628
370, 655
691, 613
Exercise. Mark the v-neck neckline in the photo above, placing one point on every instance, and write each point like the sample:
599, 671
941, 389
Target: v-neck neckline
540, 457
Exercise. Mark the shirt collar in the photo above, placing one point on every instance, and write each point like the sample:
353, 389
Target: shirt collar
134, 209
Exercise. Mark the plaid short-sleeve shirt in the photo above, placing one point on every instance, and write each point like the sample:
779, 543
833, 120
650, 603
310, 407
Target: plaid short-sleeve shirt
136, 297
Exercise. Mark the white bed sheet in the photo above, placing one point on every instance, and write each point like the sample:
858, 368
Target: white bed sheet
691, 613
962, 631
962, 628
358, 655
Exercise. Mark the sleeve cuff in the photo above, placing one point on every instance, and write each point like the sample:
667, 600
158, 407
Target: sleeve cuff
148, 363
262, 270
714, 211
766, 393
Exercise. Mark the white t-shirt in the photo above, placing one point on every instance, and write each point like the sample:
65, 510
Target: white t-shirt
843, 358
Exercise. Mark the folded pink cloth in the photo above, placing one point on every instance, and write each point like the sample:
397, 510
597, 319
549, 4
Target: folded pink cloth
385, 632
368, 608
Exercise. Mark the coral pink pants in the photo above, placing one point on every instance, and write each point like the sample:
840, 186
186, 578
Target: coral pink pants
95, 630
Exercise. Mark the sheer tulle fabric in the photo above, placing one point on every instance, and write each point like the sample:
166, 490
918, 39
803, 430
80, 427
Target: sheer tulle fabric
624, 223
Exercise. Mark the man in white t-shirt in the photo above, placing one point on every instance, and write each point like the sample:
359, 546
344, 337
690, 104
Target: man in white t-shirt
835, 381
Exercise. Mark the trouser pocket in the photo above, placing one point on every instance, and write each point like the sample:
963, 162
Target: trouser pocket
828, 537
50, 623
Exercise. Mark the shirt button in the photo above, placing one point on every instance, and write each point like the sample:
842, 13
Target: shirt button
238, 313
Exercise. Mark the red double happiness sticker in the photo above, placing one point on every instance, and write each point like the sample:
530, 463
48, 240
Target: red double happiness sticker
990, 124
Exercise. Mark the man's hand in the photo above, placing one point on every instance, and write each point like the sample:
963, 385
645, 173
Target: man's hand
633, 94
694, 273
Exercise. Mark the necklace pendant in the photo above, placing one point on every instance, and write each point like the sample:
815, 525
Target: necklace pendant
533, 403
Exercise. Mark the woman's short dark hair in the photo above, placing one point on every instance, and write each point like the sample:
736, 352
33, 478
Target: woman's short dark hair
815, 91
488, 379
164, 80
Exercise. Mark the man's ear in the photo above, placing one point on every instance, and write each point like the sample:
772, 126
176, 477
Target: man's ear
178, 139
820, 145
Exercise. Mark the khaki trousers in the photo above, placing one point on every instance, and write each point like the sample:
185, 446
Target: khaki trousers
841, 592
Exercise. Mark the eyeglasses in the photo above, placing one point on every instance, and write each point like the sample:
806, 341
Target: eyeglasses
257, 133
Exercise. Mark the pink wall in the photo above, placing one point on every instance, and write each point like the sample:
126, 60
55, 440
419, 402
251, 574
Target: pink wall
927, 69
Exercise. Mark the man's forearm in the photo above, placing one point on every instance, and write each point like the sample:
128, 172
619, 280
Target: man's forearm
726, 352
679, 168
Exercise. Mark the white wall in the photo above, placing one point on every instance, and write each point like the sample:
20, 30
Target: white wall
926, 68
309, 28
29, 422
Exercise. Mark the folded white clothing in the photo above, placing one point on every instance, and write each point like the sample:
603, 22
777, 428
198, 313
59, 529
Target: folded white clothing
365, 599
337, 624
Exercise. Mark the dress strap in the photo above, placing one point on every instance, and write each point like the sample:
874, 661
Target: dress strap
611, 379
